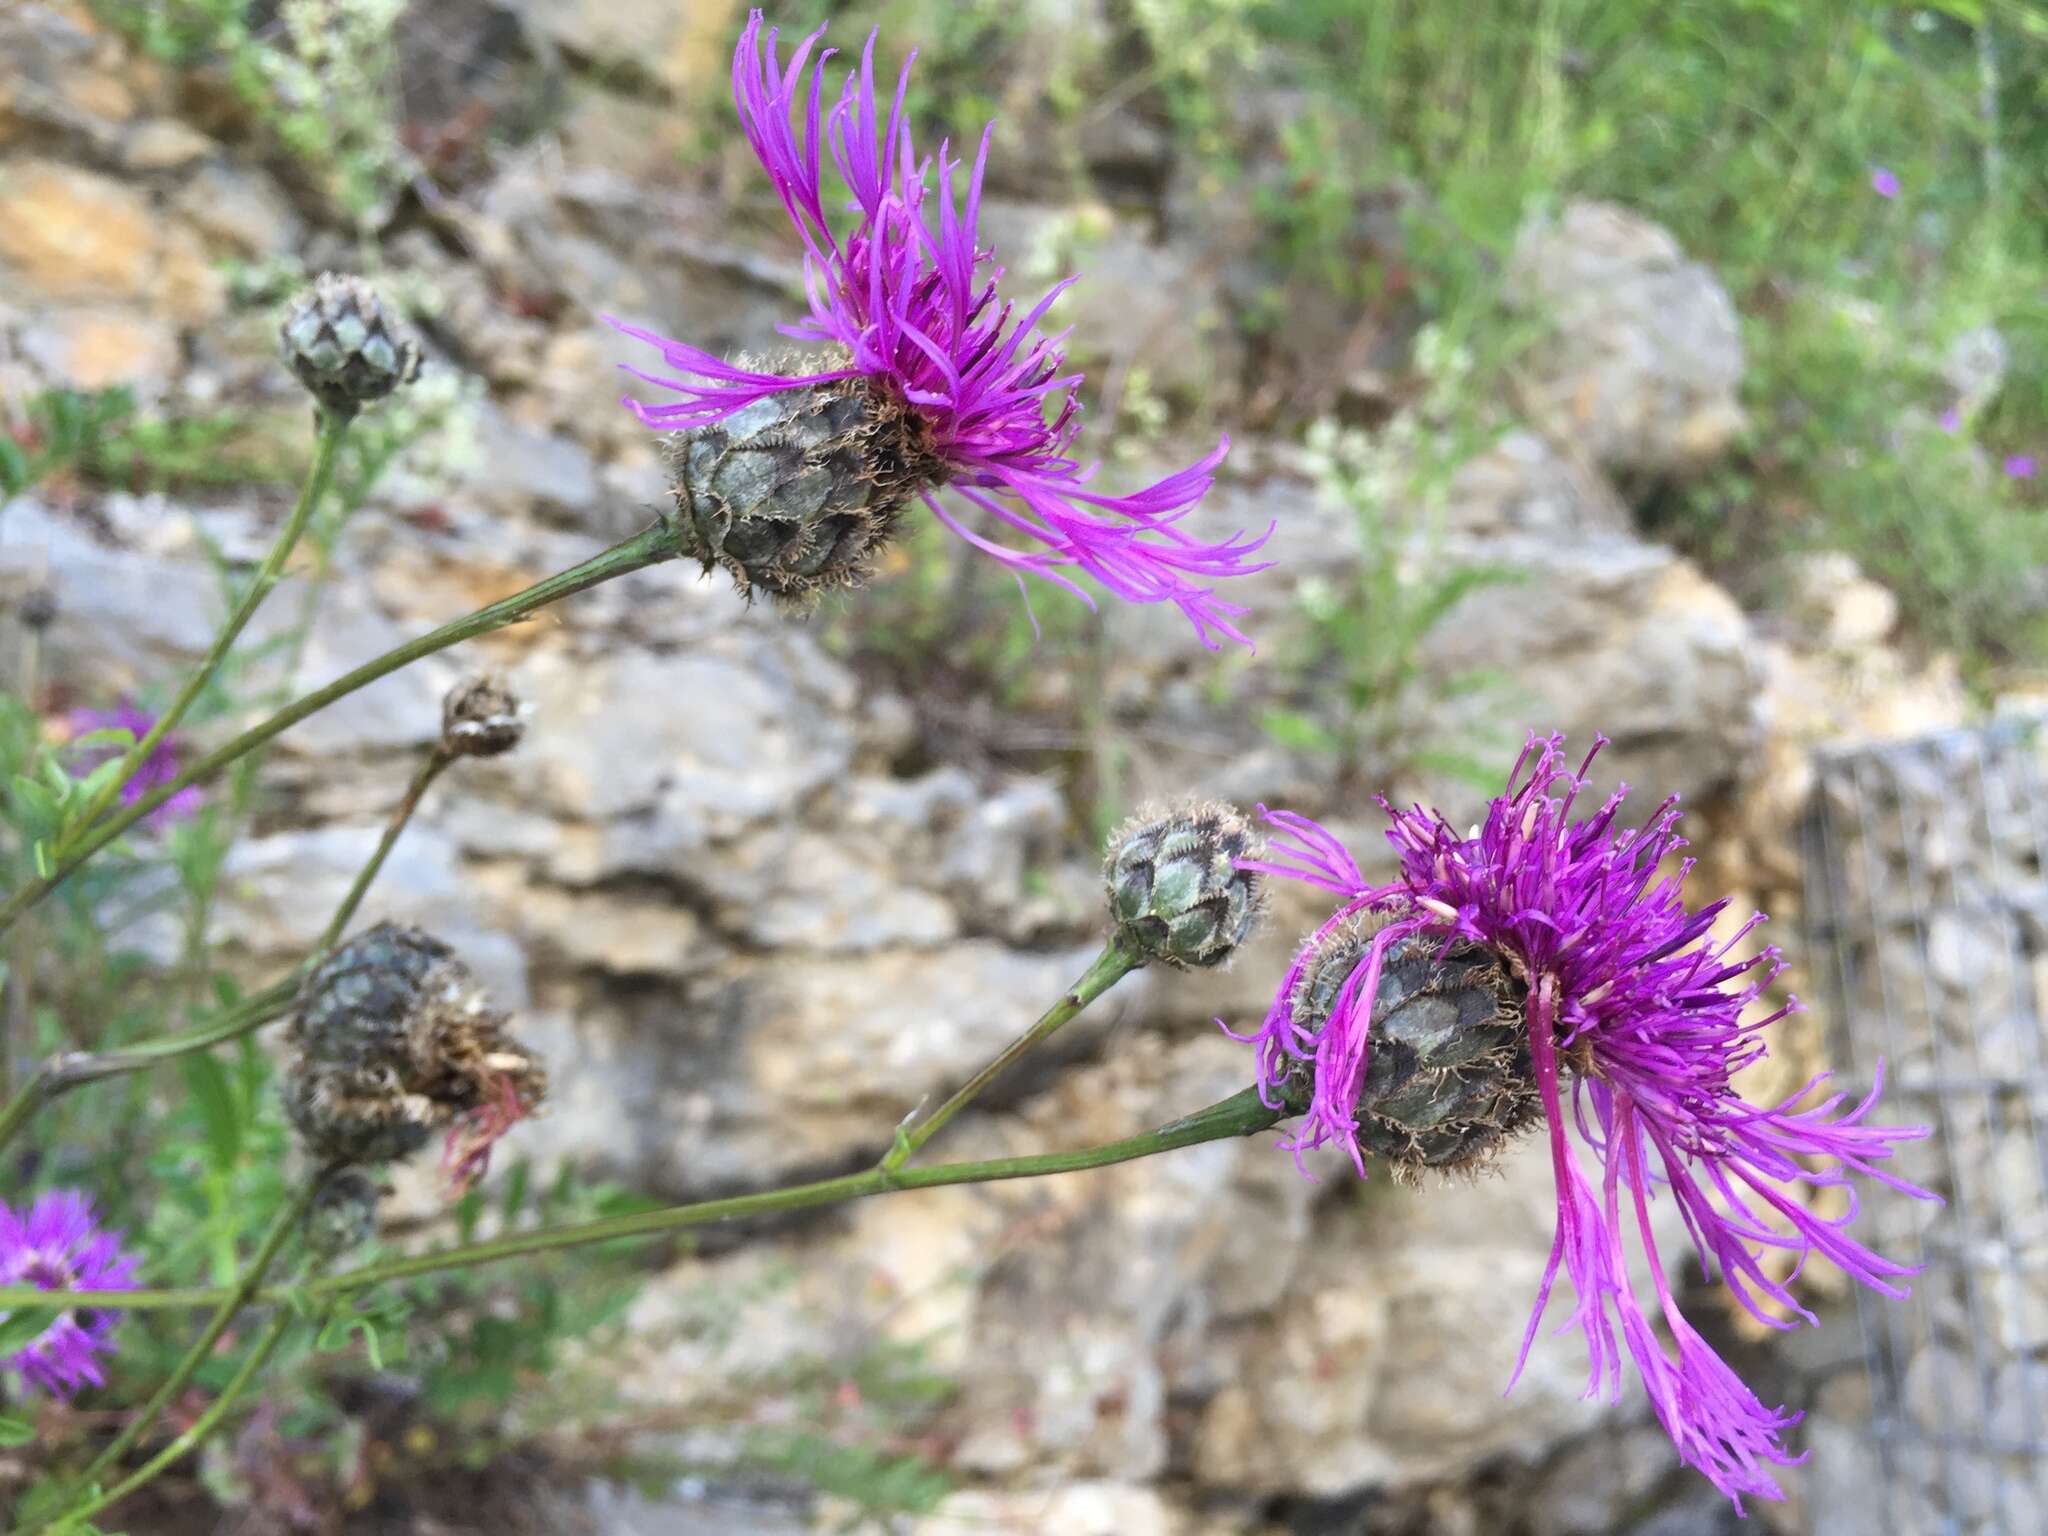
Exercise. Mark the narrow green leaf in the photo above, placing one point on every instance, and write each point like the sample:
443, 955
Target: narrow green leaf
35, 805
15, 1432
20, 1329
514, 1199
207, 1082
57, 778
14, 474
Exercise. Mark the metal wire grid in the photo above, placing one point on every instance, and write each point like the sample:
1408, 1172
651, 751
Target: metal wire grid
1927, 924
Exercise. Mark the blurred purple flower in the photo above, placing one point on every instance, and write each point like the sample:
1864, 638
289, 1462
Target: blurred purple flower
56, 1245
1952, 420
1636, 1030
2020, 466
155, 770
1884, 182
909, 303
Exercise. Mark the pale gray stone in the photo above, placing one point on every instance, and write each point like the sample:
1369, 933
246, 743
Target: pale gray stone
1644, 357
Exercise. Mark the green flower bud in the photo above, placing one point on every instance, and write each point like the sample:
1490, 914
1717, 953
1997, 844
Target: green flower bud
1176, 893
1448, 1080
343, 346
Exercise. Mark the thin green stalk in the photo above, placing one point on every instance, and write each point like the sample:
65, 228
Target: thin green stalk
430, 770
223, 1318
60, 1074
192, 1438
186, 1298
651, 547
1240, 1115
1108, 968
327, 445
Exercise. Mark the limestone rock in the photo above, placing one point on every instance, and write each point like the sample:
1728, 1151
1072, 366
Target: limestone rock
1386, 1362
1644, 357
1614, 636
69, 233
239, 213
684, 48
95, 347
1077, 1509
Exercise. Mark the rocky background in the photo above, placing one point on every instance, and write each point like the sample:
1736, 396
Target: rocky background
757, 896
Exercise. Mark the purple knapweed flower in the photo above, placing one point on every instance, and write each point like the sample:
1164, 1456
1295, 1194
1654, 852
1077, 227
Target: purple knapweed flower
56, 1245
153, 772
2020, 466
969, 395
1634, 1023
1884, 182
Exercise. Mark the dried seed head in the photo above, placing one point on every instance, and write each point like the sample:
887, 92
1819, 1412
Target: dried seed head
343, 1215
344, 347
481, 717
798, 492
1176, 893
1448, 1082
394, 1040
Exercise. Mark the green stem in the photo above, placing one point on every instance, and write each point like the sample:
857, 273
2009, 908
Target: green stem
430, 770
238, 1297
60, 1074
637, 553
1240, 1115
1109, 967
192, 1438
327, 446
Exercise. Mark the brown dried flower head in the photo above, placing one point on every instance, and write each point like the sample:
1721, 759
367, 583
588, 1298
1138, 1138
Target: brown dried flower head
393, 1041
481, 717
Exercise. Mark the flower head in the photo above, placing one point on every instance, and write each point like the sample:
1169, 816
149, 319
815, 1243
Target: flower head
159, 768
1178, 891
56, 1245
1635, 1028
344, 346
956, 386
2020, 466
394, 1039
1884, 181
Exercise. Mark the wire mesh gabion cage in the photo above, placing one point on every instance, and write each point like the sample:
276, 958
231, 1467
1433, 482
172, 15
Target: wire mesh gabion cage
1927, 917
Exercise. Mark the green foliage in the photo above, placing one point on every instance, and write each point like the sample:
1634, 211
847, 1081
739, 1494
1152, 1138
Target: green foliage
59, 429
1844, 452
158, 452
1365, 662
101, 437
194, 1164
1751, 129
874, 1485
320, 75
